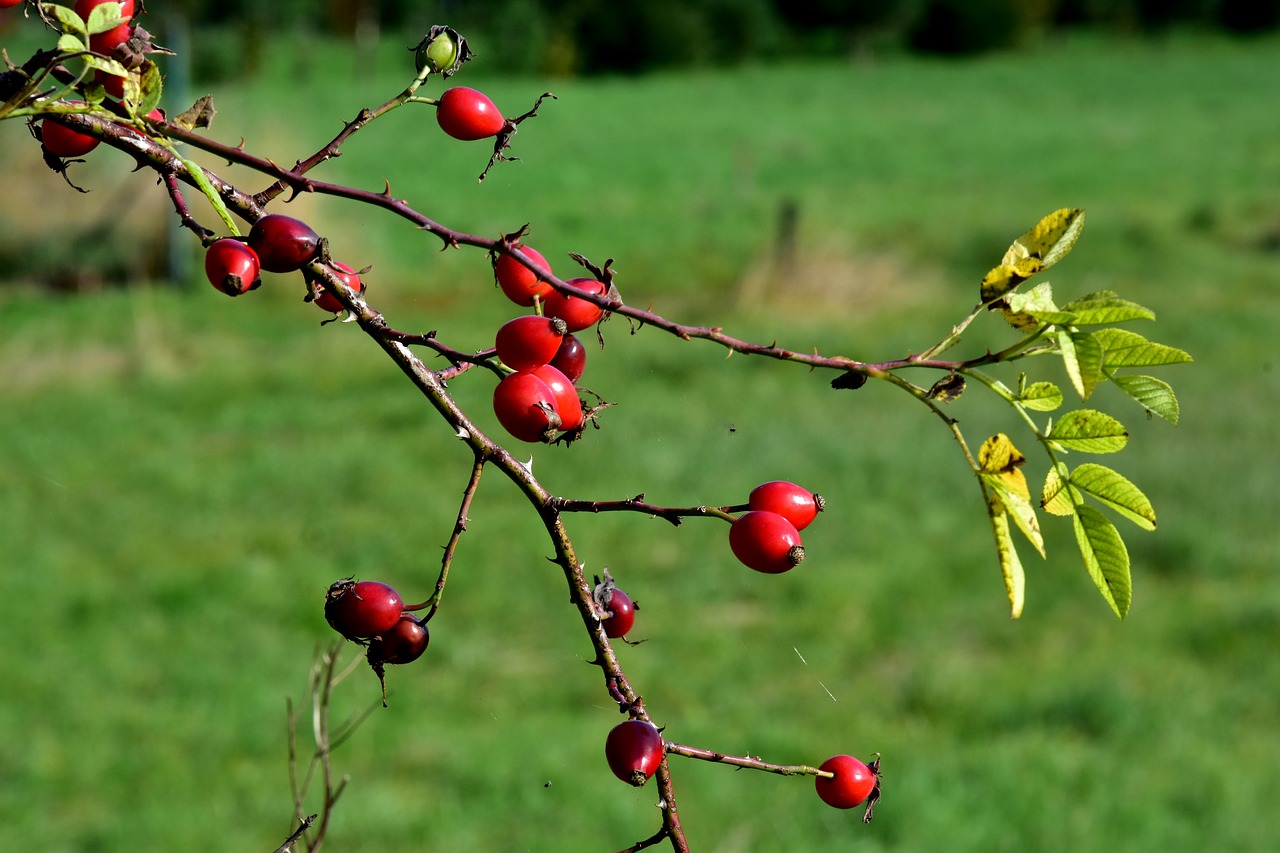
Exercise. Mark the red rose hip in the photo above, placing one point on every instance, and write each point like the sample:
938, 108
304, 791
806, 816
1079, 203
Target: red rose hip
467, 114
622, 615
766, 542
526, 407
231, 266
403, 643
577, 313
634, 751
361, 610
529, 341
283, 243
852, 783
796, 504
519, 282
325, 300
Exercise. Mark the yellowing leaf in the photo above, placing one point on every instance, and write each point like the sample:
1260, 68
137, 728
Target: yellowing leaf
999, 458
1015, 581
1049, 241
1037, 250
1058, 496
999, 281
1019, 508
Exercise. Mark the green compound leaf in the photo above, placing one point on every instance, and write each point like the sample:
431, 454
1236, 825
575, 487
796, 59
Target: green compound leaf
1090, 431
1040, 248
1152, 394
1096, 310
1105, 558
1059, 498
1041, 397
1015, 579
1122, 348
1115, 491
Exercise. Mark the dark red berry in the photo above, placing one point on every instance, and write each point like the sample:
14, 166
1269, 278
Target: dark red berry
622, 616
571, 358
231, 266
283, 243
766, 542
634, 751
796, 504
404, 643
362, 610
325, 300
852, 783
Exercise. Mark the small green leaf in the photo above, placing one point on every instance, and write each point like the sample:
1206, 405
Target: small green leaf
67, 43
1097, 312
70, 21
1090, 431
1088, 361
1123, 348
151, 86
1116, 492
1022, 310
1105, 557
1082, 357
1153, 395
107, 66
1041, 397
1058, 497
1067, 349
1015, 580
104, 17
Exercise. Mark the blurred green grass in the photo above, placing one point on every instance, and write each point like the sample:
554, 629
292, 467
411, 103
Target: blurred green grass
185, 474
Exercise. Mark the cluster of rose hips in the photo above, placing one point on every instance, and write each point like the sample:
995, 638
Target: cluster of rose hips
767, 536
278, 244
539, 399
61, 141
373, 614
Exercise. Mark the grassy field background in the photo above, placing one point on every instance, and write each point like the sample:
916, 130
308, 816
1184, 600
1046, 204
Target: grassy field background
184, 474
